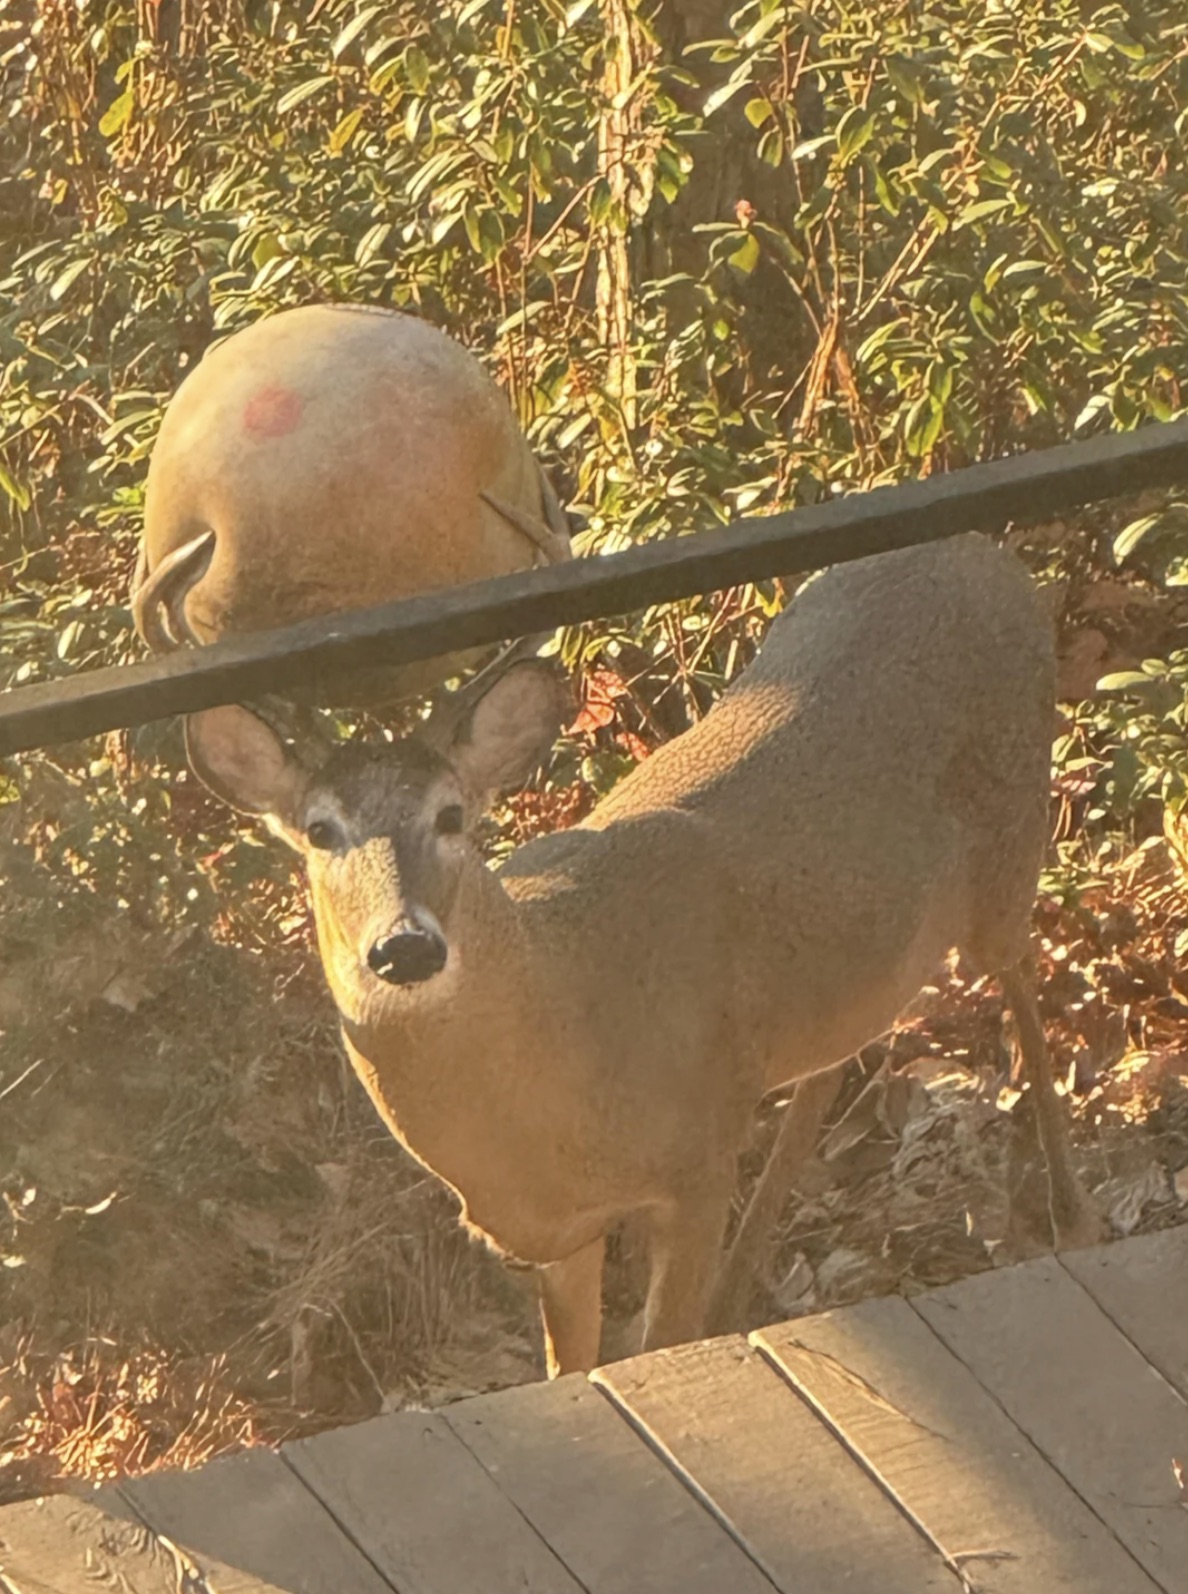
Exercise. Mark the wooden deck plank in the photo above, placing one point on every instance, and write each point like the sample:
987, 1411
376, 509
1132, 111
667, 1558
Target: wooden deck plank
63, 1545
924, 1425
612, 1510
1143, 1285
789, 1488
106, 1497
412, 1495
252, 1512
1095, 1407
1019, 1427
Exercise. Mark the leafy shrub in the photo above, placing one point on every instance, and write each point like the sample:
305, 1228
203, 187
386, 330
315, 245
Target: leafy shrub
816, 248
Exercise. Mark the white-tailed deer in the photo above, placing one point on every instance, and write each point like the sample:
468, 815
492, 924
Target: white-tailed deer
328, 458
584, 1035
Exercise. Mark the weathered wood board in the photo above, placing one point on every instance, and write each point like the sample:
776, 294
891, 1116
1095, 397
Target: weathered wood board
1022, 1432
950, 1455
775, 1472
425, 1511
1099, 1412
594, 1490
62, 1545
252, 1512
1143, 1287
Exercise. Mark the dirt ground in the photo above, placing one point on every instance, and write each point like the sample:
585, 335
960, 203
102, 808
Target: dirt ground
209, 1241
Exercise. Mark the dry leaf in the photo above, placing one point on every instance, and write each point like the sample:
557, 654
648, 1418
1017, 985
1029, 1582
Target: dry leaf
1125, 1199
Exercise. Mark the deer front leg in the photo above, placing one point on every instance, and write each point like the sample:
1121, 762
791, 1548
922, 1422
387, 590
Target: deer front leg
686, 1239
1073, 1217
571, 1310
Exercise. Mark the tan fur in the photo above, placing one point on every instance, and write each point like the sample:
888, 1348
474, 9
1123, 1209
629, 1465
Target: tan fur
343, 457
755, 902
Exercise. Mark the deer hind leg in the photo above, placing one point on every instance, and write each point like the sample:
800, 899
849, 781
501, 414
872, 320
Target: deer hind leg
685, 1240
795, 1143
571, 1310
1074, 1219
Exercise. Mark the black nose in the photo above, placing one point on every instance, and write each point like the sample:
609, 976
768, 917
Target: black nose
408, 956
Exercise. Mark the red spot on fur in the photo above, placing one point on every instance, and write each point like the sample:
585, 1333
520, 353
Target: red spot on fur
272, 411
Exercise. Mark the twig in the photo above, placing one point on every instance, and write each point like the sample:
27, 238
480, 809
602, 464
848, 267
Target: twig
20, 1079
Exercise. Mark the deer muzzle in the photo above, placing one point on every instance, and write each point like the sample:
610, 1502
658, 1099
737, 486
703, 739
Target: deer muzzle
411, 952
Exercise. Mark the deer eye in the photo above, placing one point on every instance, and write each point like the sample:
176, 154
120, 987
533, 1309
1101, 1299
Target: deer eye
449, 820
322, 834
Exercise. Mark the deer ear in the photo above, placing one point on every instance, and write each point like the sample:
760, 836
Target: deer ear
243, 761
507, 733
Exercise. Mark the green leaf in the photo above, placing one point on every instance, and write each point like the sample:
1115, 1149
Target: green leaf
810, 146
416, 64
940, 382
518, 318
854, 132
115, 118
994, 272
905, 76
982, 312
871, 345
345, 131
443, 226
979, 210
570, 433
727, 91
1102, 43
938, 157
746, 257
376, 51
413, 117
68, 636
766, 25
372, 242
62, 284
771, 146
15, 490
266, 248
353, 29
385, 74
923, 426
127, 423
274, 271
1130, 536
884, 192
1123, 681
292, 98
491, 234
1098, 405
758, 111
599, 203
